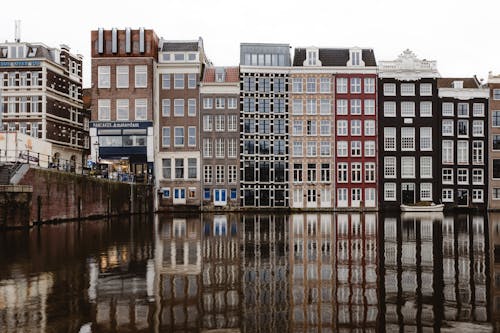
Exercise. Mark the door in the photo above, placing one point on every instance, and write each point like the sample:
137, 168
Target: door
355, 197
179, 196
462, 197
220, 197
408, 193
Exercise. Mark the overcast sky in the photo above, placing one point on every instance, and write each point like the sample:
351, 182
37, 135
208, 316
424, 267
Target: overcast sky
461, 35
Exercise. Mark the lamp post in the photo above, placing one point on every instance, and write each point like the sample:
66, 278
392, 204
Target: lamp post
96, 148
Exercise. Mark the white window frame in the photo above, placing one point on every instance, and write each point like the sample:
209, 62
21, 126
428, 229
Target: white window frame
103, 77
141, 76
122, 76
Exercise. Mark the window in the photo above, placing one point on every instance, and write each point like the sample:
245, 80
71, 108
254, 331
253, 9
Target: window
311, 127
407, 109
179, 136
192, 136
389, 138
370, 172
232, 149
407, 138
325, 172
220, 103
311, 148
425, 167
355, 148
342, 85
122, 109
407, 167
390, 192
122, 76
462, 152
342, 127
355, 85
297, 129
325, 148
219, 174
325, 107
478, 128
279, 105
496, 94
297, 106
426, 89
166, 168
342, 172
311, 172
207, 148
389, 167
463, 110
369, 107
342, 149
325, 127
192, 168
448, 110
426, 138
232, 123
219, 148
447, 127
477, 177
389, 89
192, 107
206, 194
496, 118
232, 176
264, 85
342, 107
297, 173
191, 81
355, 106
179, 168
496, 142
104, 77
356, 173
369, 127
447, 176
369, 85
104, 109
426, 191
477, 152
232, 103
355, 127
463, 176
264, 126
141, 76
447, 195
178, 107
496, 193
207, 123
324, 85
141, 109
207, 174
478, 110
496, 169
165, 107
165, 81
165, 139
311, 106
178, 81
370, 148
425, 109
208, 103
297, 148
297, 85
311, 85
477, 195
389, 109
407, 89
447, 151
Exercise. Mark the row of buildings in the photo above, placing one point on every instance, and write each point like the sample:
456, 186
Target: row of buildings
327, 128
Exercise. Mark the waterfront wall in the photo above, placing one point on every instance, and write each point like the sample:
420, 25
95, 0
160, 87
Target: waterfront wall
64, 196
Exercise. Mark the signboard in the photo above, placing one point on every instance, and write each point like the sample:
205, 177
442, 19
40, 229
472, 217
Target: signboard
29, 63
121, 124
16, 145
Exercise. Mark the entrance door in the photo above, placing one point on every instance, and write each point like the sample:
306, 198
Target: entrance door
179, 196
220, 197
463, 197
408, 193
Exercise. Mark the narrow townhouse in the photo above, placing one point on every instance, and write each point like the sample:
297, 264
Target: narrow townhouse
494, 142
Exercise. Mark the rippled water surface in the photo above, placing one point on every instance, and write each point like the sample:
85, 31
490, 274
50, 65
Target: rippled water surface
313, 272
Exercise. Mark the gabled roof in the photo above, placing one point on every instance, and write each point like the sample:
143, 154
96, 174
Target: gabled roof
232, 75
468, 82
334, 57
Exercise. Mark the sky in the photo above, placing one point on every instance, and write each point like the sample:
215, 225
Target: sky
461, 35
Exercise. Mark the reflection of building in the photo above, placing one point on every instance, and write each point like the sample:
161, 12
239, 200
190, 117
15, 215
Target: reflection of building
356, 266
264, 269
311, 272
494, 273
221, 289
122, 100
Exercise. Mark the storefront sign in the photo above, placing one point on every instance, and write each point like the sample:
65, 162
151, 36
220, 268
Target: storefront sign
121, 124
19, 63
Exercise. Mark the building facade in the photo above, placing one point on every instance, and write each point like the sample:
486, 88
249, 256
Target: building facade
41, 95
220, 136
180, 67
408, 131
264, 145
494, 142
123, 64
464, 142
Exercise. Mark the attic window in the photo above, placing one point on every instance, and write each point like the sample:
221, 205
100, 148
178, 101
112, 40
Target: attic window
356, 58
219, 75
312, 57
457, 84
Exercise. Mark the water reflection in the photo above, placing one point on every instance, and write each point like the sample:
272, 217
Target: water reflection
311, 272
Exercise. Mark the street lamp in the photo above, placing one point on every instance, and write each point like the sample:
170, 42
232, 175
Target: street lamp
96, 149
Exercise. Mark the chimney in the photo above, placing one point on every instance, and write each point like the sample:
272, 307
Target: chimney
17, 33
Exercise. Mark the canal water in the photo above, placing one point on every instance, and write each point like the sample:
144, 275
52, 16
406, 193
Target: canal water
311, 272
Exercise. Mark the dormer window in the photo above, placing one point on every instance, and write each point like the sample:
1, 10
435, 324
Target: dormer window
312, 58
457, 84
355, 57
219, 75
